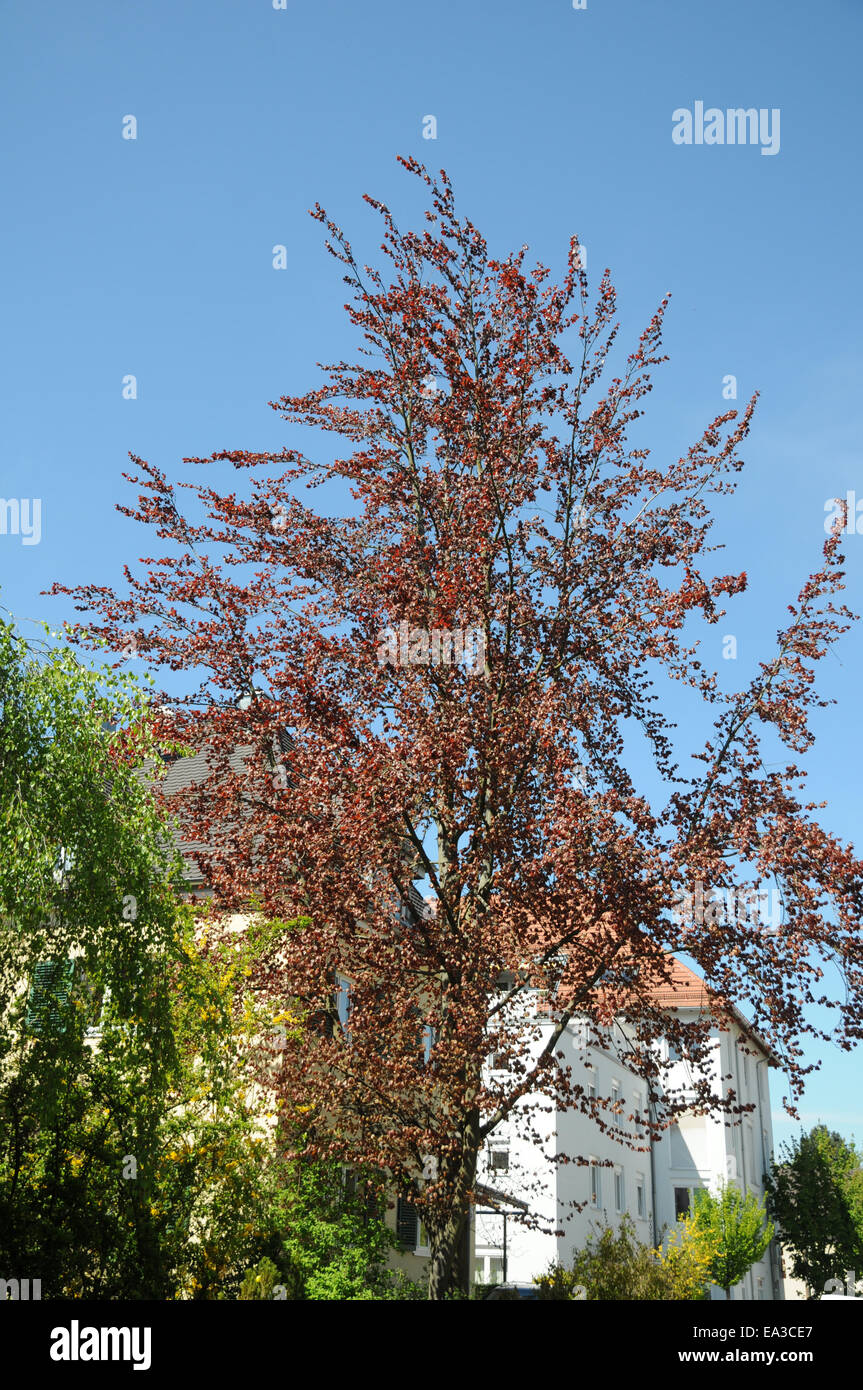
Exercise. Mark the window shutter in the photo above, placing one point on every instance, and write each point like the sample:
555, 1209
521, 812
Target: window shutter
49, 996
372, 1204
406, 1222
417, 903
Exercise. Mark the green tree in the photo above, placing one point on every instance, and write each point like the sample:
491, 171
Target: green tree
334, 1241
88, 918
130, 1154
815, 1196
738, 1229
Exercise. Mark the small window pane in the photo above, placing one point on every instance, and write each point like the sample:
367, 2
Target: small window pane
343, 1000
595, 1190
616, 1106
618, 1190
681, 1202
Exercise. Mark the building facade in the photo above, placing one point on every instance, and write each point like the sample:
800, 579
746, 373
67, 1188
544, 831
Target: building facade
569, 1160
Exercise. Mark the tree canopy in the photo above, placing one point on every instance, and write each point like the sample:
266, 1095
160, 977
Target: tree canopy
734, 1224
441, 685
816, 1197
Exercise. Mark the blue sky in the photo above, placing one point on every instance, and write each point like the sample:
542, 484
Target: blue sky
153, 256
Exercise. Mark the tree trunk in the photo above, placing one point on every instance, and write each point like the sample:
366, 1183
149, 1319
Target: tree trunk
449, 1266
443, 1270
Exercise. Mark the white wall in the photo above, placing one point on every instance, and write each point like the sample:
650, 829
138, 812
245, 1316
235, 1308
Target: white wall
698, 1153
550, 1186
703, 1150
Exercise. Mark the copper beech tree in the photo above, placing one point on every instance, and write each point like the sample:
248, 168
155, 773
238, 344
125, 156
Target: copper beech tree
446, 685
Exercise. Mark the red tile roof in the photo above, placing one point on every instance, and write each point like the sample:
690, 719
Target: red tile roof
686, 990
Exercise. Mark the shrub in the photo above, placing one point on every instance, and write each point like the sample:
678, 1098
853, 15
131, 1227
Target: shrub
615, 1264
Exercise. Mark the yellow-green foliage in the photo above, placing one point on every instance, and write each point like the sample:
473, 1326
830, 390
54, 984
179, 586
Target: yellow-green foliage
615, 1264
735, 1228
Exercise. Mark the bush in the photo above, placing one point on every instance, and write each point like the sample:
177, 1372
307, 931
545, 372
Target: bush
615, 1264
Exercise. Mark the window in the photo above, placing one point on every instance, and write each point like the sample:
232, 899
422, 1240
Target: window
749, 1153
63, 865
499, 1160
410, 1231
343, 1002
424, 1037
681, 1202
640, 1205
488, 1269
615, 1104
49, 996
765, 1152
619, 1190
373, 1203
407, 1221
413, 907
99, 1011
360, 1196
595, 1185
422, 1246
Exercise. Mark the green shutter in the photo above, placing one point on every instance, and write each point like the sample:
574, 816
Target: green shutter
406, 1223
49, 996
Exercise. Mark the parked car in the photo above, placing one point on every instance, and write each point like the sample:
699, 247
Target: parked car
513, 1291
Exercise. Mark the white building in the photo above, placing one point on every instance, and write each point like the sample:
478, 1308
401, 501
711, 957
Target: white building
572, 1160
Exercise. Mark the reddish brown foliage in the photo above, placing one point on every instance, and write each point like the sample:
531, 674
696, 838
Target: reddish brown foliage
508, 501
